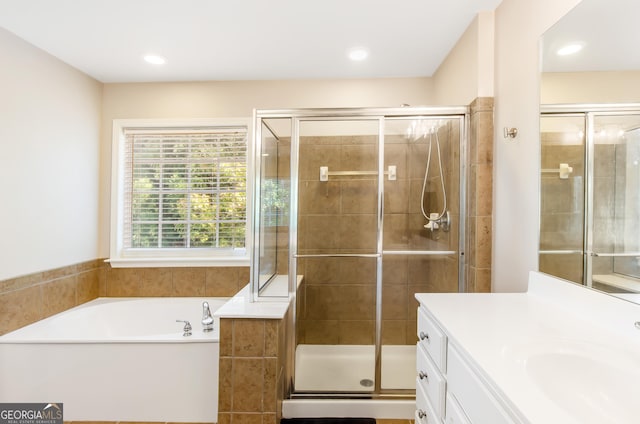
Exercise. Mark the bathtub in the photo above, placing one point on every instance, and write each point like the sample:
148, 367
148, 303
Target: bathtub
117, 359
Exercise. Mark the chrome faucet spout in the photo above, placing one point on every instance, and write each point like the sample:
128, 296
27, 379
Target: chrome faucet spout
207, 319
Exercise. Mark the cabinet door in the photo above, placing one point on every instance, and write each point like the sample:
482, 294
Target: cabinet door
432, 339
431, 380
477, 402
425, 413
455, 414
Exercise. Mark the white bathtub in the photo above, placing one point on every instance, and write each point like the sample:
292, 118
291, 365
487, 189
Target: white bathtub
117, 359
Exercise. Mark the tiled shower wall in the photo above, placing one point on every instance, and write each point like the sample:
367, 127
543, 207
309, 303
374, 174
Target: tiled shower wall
479, 196
30, 298
562, 207
337, 299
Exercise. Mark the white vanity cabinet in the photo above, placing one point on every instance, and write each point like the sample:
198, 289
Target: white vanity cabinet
448, 389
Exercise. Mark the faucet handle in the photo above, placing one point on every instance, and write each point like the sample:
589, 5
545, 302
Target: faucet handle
187, 327
207, 319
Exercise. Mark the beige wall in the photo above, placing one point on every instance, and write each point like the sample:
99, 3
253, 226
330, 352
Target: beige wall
237, 99
467, 71
49, 130
590, 87
519, 25
74, 122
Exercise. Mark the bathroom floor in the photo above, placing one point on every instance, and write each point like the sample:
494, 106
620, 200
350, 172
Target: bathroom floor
351, 368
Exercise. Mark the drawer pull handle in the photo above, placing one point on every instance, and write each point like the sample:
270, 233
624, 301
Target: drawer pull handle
421, 414
423, 375
424, 336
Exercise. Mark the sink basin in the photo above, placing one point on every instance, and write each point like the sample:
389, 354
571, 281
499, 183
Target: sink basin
590, 381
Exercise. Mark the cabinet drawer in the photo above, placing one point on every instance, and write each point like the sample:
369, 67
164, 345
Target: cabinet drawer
479, 405
424, 410
431, 381
433, 340
455, 414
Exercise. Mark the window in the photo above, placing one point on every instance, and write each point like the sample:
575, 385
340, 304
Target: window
179, 195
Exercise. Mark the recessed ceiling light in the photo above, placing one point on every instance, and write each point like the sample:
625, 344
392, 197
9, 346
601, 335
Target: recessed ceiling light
358, 54
155, 59
569, 49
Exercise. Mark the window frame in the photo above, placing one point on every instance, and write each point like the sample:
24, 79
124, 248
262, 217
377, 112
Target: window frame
120, 257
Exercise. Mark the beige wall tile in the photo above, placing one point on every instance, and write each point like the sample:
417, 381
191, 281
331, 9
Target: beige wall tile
188, 281
394, 302
269, 395
59, 295
362, 157
319, 198
269, 419
224, 418
357, 332
397, 196
394, 332
320, 232
359, 197
412, 329
156, 282
226, 337
483, 242
248, 383
243, 276
483, 281
271, 337
221, 281
20, 308
356, 232
312, 157
357, 271
56, 273
341, 302
240, 418
248, 337
123, 282
88, 287
225, 384
394, 270
321, 331
20, 282
485, 189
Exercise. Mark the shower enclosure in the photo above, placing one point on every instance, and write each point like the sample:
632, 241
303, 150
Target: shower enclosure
590, 195
357, 210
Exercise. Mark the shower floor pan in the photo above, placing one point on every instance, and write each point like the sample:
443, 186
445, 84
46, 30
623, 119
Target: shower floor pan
351, 368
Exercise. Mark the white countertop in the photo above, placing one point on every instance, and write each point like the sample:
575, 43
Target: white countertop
274, 306
503, 334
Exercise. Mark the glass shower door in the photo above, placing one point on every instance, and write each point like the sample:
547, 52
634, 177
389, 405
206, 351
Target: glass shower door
421, 232
590, 197
562, 195
337, 252
615, 195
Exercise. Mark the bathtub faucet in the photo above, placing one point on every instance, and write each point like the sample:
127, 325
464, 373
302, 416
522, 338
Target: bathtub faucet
207, 319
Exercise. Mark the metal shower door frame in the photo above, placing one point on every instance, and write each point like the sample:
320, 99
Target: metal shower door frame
589, 112
363, 114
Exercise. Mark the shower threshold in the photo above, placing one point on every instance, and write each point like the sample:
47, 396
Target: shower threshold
351, 368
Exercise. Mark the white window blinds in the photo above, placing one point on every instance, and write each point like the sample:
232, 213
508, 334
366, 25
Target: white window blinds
186, 188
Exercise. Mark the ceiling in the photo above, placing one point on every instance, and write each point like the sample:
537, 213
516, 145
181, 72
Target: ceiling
243, 39
608, 30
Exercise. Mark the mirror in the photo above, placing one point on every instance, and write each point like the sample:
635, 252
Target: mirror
590, 148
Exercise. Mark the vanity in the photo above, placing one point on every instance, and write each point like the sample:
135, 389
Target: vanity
559, 353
